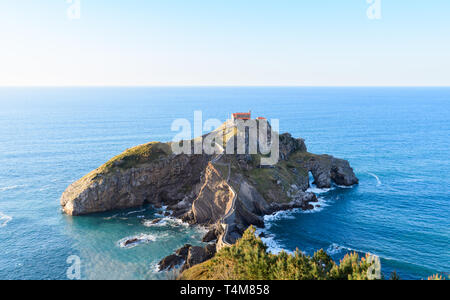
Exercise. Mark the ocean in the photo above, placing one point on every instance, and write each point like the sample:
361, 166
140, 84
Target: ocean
396, 139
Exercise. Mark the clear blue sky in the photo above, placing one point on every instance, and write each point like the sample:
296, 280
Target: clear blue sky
225, 42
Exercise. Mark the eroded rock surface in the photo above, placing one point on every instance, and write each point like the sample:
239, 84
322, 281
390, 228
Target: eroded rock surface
226, 193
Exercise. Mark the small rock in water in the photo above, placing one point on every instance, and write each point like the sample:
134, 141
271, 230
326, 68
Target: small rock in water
307, 207
131, 242
156, 221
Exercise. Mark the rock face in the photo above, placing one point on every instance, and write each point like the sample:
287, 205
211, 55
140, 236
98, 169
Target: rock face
224, 192
164, 181
327, 169
189, 256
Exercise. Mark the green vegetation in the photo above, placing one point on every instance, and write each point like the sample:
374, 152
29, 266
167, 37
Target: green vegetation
437, 277
138, 155
133, 157
273, 183
248, 259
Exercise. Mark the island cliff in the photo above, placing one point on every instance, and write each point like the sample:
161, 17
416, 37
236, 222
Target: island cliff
227, 193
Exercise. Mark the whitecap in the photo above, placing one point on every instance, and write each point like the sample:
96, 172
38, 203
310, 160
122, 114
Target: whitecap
314, 189
377, 178
280, 215
154, 267
110, 218
12, 187
136, 212
335, 249
167, 221
269, 240
4, 219
318, 206
345, 186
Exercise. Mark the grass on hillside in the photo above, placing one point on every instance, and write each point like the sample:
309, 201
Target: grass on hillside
248, 259
133, 157
266, 179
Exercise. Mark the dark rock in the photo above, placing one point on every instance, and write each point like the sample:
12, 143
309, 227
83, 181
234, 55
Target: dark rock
289, 145
307, 207
184, 251
211, 250
131, 242
327, 169
170, 262
156, 221
210, 236
198, 255
342, 173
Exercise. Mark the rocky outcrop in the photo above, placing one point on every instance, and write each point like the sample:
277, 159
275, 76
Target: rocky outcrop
214, 199
164, 181
197, 255
187, 256
327, 169
224, 192
289, 145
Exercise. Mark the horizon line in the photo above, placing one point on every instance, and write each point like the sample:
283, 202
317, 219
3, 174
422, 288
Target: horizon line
224, 86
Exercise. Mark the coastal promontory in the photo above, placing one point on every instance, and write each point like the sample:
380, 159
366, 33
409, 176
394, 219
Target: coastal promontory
224, 192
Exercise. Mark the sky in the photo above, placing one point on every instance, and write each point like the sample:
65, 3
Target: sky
224, 43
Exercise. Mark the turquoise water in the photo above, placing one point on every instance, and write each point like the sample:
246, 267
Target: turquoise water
397, 139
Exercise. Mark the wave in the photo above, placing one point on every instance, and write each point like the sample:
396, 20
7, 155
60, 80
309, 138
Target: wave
4, 219
280, 215
334, 249
377, 178
12, 187
165, 222
136, 212
318, 206
269, 239
314, 189
290, 214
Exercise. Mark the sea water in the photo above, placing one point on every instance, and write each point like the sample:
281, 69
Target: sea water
397, 140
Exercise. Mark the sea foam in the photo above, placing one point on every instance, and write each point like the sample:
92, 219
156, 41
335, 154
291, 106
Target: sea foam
140, 239
4, 219
166, 222
377, 178
12, 187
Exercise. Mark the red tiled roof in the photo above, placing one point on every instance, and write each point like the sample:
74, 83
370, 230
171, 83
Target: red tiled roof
242, 115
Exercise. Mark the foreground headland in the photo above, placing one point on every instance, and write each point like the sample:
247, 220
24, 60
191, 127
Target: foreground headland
224, 191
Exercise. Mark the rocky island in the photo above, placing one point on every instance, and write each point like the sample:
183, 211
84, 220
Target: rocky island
226, 193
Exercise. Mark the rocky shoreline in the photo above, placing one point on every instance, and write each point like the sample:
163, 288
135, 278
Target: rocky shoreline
226, 193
